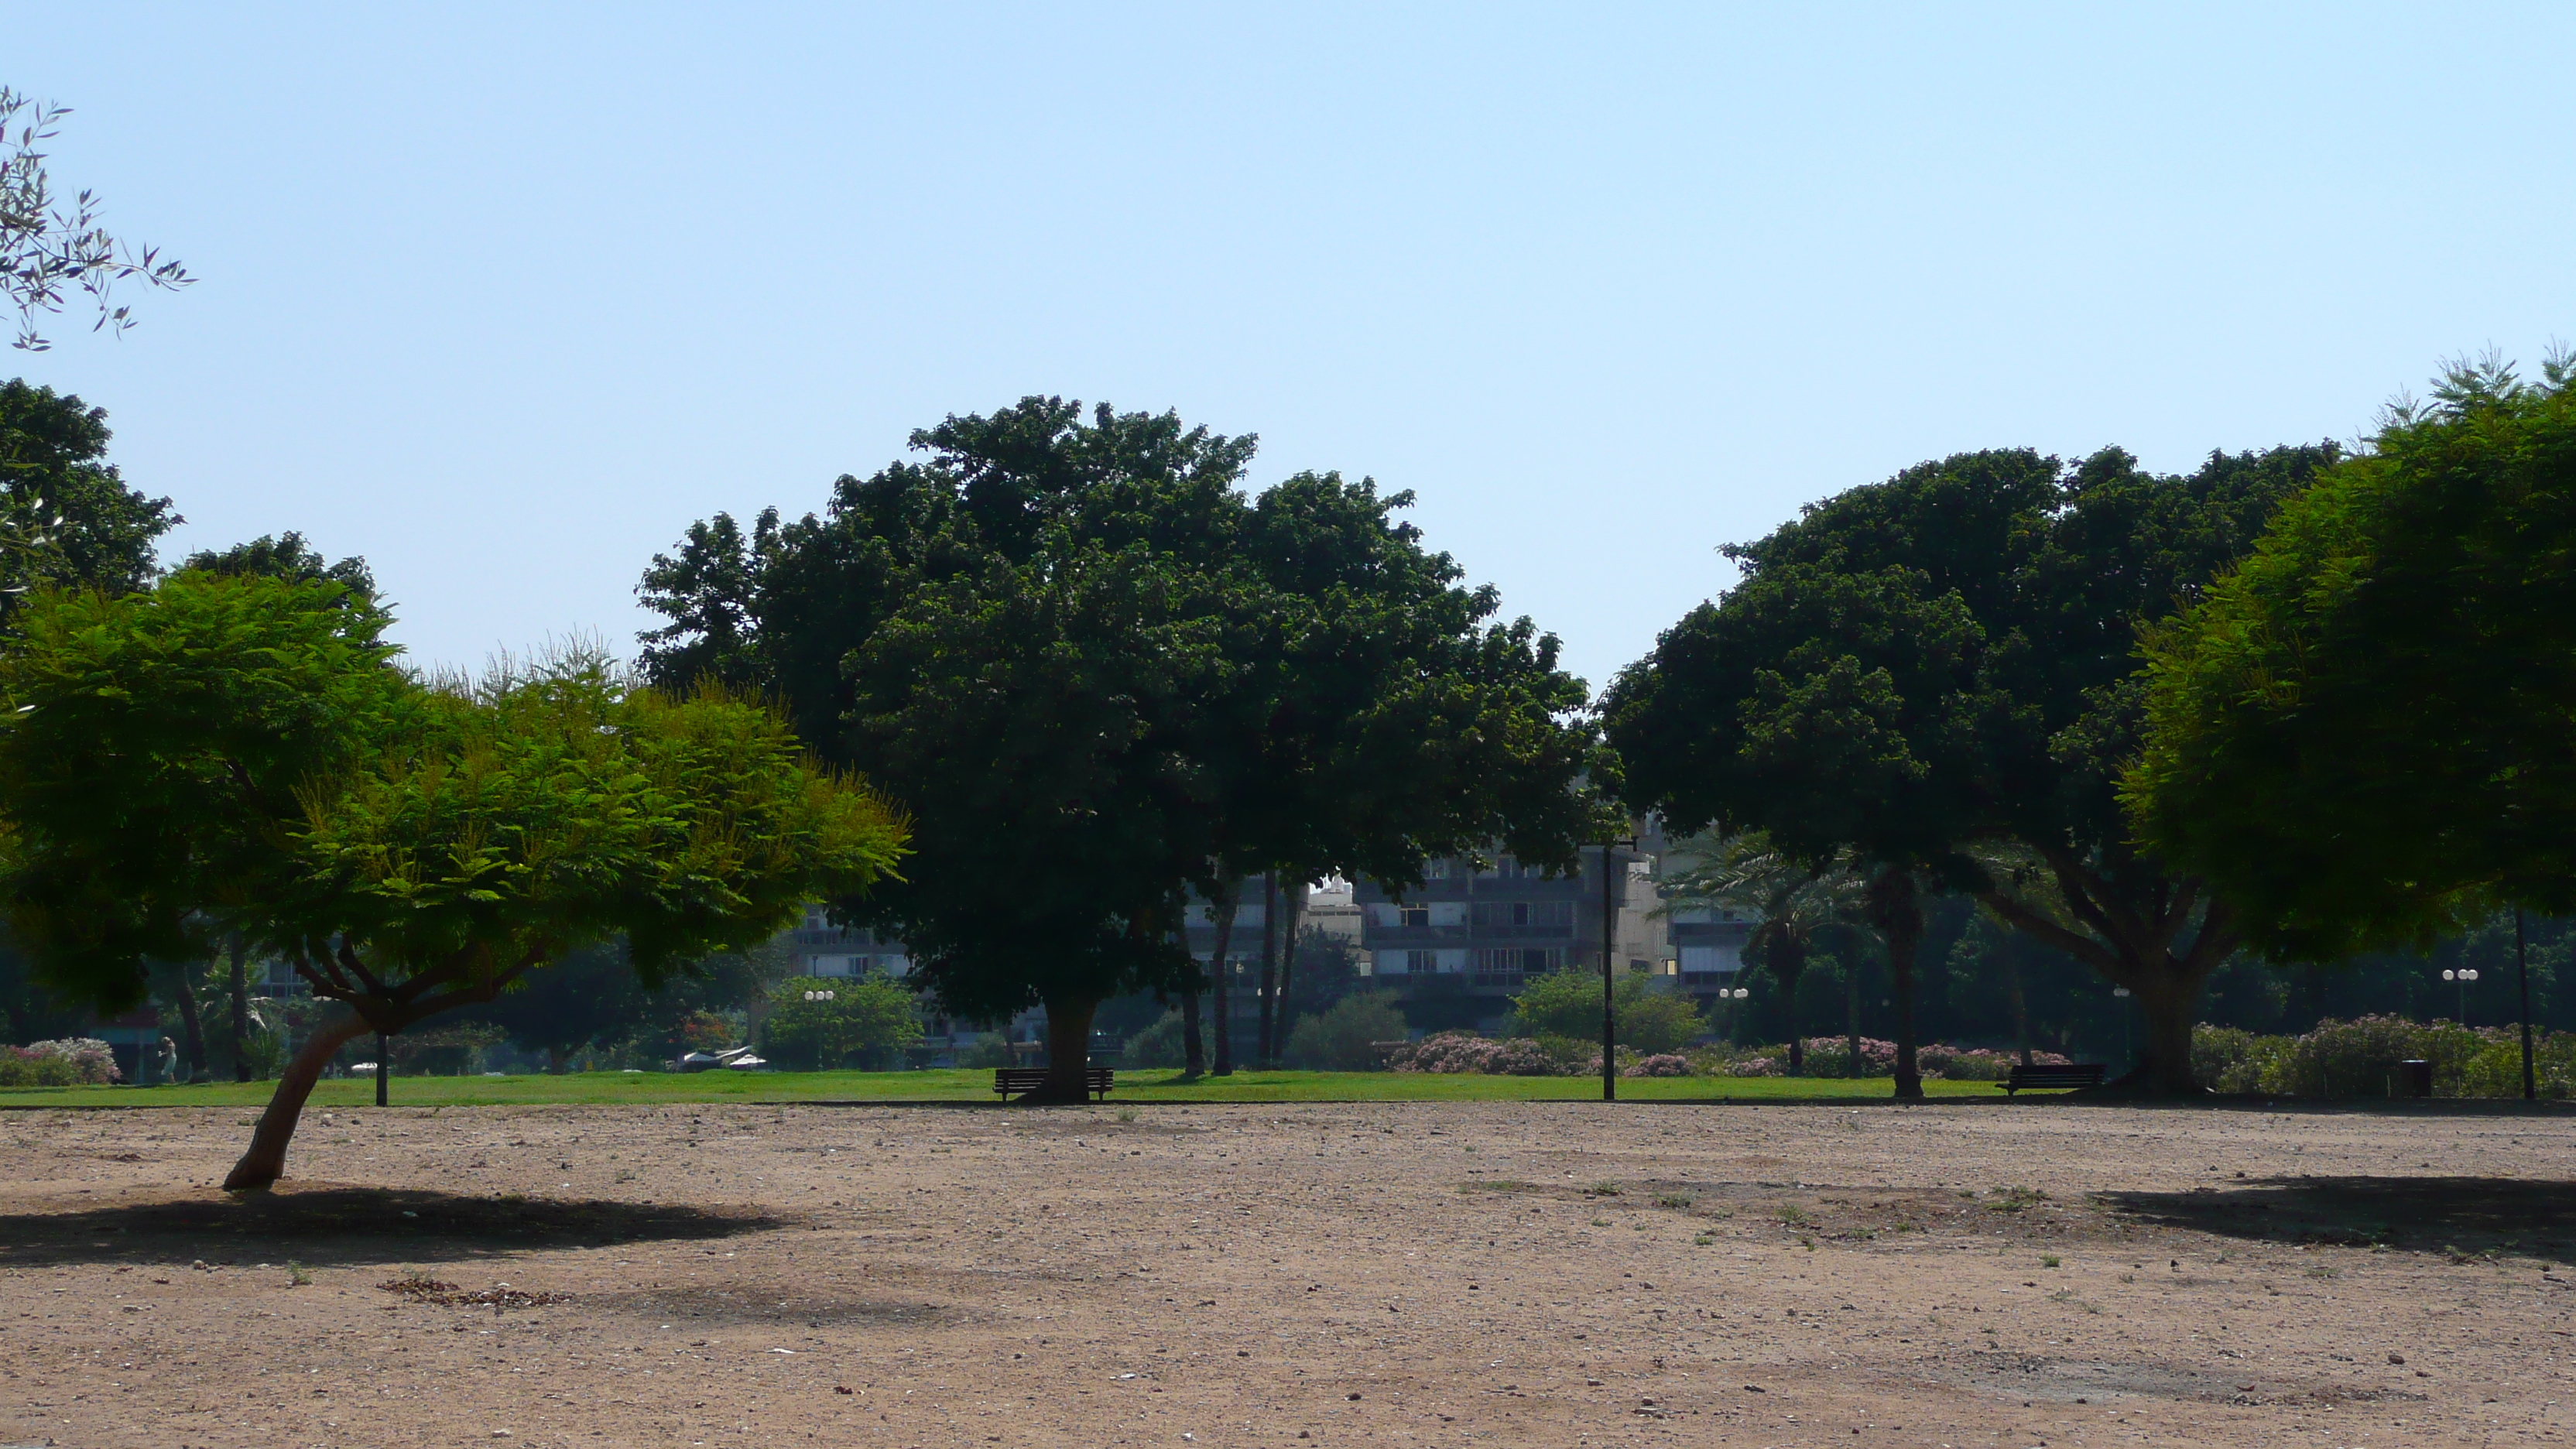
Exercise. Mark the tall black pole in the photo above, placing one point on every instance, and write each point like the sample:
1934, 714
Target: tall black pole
1609, 1017
382, 1067
2522, 969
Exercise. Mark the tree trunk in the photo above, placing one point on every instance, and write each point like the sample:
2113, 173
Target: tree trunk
1788, 959
1898, 911
1068, 1051
1851, 1017
1220, 1002
1262, 1049
555, 1060
2168, 1006
265, 1162
2020, 1007
195, 1031
1194, 1050
1295, 900
241, 1010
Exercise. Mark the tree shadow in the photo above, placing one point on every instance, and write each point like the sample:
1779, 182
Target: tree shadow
340, 1225
2459, 1215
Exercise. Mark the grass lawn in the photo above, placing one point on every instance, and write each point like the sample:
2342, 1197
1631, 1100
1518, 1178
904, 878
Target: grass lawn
1146, 1085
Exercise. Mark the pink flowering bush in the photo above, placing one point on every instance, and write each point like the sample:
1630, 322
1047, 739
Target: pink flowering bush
1662, 1064
72, 1061
1754, 1067
1464, 1051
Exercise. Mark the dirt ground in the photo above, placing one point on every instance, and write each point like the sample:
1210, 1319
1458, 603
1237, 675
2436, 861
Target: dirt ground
1544, 1273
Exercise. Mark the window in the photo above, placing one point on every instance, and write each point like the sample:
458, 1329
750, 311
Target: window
1421, 963
1413, 916
1539, 959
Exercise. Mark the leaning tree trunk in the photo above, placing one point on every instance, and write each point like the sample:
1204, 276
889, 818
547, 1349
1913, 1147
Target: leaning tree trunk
1068, 1050
265, 1162
1898, 910
1262, 1049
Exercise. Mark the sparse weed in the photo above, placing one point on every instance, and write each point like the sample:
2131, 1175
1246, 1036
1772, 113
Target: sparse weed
1703, 1240
1791, 1213
1673, 1200
1603, 1189
296, 1277
1600, 1222
2048, 1260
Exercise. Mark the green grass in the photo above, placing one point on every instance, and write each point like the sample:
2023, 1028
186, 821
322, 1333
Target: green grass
960, 1085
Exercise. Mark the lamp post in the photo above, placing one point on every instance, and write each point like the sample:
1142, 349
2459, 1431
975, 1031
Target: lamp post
2463, 976
2122, 993
384, 1058
1609, 967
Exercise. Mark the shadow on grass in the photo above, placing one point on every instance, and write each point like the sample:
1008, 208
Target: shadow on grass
2466, 1216
336, 1225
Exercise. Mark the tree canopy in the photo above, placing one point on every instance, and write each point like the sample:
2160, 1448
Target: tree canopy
66, 517
240, 754
47, 251
1100, 676
2360, 734
1916, 671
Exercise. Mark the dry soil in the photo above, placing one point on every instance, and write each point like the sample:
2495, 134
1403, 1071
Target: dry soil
1557, 1274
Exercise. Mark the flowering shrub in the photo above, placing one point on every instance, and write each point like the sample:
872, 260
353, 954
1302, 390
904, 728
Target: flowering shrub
1464, 1051
1753, 1067
1662, 1064
2356, 1058
72, 1061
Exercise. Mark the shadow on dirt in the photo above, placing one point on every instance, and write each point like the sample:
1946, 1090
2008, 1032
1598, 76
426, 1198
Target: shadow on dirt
2466, 1216
327, 1225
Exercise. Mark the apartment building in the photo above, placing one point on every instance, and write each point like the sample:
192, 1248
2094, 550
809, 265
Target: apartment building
1461, 944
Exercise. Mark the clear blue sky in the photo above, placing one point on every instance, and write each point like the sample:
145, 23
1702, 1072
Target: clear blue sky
502, 297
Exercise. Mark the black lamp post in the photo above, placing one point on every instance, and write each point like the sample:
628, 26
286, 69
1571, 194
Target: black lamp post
1609, 965
384, 1054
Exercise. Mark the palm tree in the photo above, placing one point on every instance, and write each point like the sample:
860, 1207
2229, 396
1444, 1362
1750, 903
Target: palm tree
1749, 876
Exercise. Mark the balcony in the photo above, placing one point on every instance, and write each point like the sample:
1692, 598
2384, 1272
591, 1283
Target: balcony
1377, 937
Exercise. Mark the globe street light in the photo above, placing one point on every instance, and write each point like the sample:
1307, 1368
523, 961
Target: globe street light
2463, 977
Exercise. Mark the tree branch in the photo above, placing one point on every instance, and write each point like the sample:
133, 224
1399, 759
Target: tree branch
2040, 928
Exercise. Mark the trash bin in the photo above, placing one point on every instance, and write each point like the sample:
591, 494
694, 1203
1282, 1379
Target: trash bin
2413, 1079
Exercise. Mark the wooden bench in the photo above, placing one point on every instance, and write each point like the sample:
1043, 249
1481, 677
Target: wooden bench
2077, 1074
1020, 1081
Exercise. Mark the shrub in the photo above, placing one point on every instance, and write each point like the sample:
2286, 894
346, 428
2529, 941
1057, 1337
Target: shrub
1345, 1038
1464, 1051
992, 1049
1568, 1004
867, 1023
2357, 1058
1159, 1045
69, 1062
1753, 1067
1662, 1064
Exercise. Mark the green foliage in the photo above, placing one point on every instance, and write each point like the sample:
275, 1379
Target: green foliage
289, 557
1162, 1044
2360, 735
989, 1049
1344, 1038
45, 250
866, 1023
67, 518
1567, 1004
1098, 671
237, 753
2356, 1058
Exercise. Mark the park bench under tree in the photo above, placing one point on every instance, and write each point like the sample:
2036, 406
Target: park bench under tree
1020, 1081
2072, 1074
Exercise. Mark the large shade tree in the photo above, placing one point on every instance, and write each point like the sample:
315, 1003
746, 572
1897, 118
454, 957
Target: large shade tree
240, 754
1938, 675
1104, 677
2361, 735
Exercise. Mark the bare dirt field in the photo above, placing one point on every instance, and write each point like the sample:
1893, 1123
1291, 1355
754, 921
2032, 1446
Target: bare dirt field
1429, 1273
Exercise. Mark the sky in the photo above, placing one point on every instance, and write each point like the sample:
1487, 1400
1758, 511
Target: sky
503, 297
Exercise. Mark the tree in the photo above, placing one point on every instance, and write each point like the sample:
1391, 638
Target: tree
240, 754
589, 997
288, 556
1789, 902
2360, 734
822, 1023
1101, 676
1345, 1036
1915, 671
67, 518
1568, 1004
46, 251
